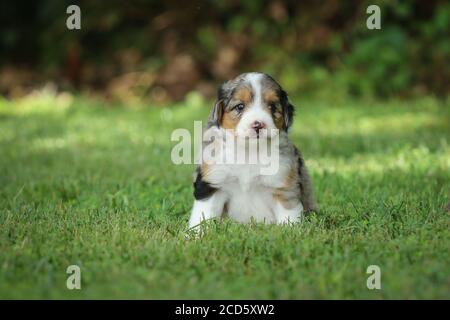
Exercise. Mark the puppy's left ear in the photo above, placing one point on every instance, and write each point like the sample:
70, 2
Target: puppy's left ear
288, 110
288, 116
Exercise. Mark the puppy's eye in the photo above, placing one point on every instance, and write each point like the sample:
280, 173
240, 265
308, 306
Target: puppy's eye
239, 107
272, 106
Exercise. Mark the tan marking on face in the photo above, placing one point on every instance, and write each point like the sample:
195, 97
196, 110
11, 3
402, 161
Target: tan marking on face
270, 96
243, 94
278, 119
230, 118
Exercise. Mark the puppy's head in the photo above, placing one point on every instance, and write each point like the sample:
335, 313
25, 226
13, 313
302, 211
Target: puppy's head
252, 104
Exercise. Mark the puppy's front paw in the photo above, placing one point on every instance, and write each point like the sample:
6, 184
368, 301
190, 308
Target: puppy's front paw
192, 234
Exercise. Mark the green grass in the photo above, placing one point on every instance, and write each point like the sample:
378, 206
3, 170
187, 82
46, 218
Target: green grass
90, 184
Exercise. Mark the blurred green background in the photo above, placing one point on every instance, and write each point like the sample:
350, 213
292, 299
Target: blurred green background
158, 51
86, 176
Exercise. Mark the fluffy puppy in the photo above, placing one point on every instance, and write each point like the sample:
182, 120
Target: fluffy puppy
253, 107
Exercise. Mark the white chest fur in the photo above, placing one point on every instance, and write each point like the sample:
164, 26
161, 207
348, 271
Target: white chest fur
245, 192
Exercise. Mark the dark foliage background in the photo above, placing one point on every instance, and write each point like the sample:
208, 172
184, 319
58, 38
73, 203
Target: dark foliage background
161, 50
87, 126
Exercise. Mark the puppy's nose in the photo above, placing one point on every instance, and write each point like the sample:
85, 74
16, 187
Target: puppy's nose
258, 125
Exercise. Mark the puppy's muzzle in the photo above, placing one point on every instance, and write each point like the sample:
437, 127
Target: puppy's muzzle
258, 125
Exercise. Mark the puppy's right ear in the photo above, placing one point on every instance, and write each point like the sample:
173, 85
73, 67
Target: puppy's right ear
216, 114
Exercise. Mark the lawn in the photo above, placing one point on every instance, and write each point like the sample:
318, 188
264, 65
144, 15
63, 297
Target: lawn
89, 183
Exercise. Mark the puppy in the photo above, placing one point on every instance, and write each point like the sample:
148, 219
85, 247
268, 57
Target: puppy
252, 108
